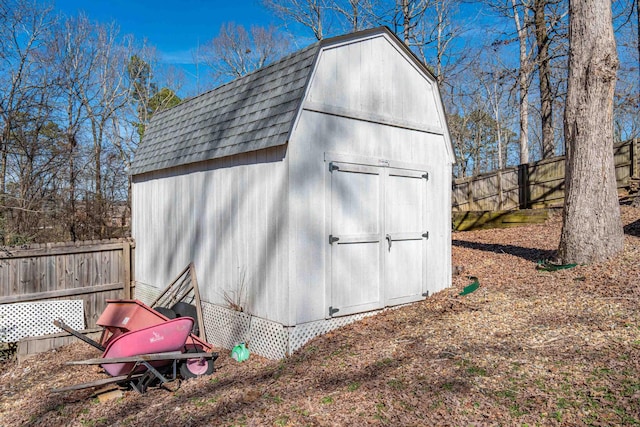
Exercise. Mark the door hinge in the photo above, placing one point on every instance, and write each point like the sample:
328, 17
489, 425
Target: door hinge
333, 167
425, 235
333, 239
426, 294
333, 311
426, 176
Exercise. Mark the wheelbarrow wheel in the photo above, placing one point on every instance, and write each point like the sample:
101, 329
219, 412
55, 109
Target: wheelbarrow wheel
192, 368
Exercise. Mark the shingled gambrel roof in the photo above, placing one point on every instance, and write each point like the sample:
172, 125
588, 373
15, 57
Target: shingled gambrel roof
253, 112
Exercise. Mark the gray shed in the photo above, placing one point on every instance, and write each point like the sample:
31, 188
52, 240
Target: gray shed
312, 192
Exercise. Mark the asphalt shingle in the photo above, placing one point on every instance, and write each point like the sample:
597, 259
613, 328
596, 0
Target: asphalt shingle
253, 112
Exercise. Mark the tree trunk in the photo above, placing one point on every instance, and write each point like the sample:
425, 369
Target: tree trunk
523, 83
71, 219
592, 229
544, 76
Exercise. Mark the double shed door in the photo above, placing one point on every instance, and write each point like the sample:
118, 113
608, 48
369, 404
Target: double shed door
378, 236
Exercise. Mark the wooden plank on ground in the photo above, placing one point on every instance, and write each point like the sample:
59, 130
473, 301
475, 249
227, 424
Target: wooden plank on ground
96, 383
173, 355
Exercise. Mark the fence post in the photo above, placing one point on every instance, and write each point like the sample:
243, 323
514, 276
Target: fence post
500, 195
523, 185
126, 265
633, 154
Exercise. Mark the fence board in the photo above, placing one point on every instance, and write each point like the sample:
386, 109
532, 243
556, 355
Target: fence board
533, 185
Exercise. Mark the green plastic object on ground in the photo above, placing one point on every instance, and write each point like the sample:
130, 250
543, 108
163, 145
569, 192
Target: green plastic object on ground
546, 265
240, 353
472, 287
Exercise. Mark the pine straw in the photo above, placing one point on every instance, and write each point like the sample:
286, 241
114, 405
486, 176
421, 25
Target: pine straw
528, 347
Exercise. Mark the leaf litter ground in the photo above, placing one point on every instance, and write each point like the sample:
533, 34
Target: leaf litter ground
528, 347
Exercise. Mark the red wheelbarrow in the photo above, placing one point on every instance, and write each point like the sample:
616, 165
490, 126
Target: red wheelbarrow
141, 345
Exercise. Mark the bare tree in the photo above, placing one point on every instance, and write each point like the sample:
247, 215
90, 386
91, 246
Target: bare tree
76, 65
440, 34
592, 229
236, 51
311, 14
102, 90
479, 120
24, 30
407, 18
359, 14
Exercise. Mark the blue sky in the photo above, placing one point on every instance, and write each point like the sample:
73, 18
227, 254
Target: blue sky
174, 27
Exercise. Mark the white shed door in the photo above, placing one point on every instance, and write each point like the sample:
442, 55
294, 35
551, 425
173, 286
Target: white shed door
405, 235
356, 267
378, 237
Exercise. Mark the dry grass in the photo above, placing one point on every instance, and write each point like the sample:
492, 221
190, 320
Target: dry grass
527, 348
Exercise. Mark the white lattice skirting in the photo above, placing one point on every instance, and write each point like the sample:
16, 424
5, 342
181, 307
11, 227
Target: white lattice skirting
33, 319
227, 328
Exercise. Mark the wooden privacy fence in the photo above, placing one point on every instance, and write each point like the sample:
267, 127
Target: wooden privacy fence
534, 185
91, 271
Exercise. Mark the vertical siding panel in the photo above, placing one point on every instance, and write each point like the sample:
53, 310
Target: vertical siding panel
245, 191
282, 281
271, 248
352, 67
225, 207
181, 212
233, 196
206, 258
180, 223
158, 249
370, 79
190, 185
224, 227
161, 189
253, 208
263, 180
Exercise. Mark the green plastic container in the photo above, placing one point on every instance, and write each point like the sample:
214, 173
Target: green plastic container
240, 353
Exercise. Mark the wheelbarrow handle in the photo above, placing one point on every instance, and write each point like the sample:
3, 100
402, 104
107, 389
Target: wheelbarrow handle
60, 324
